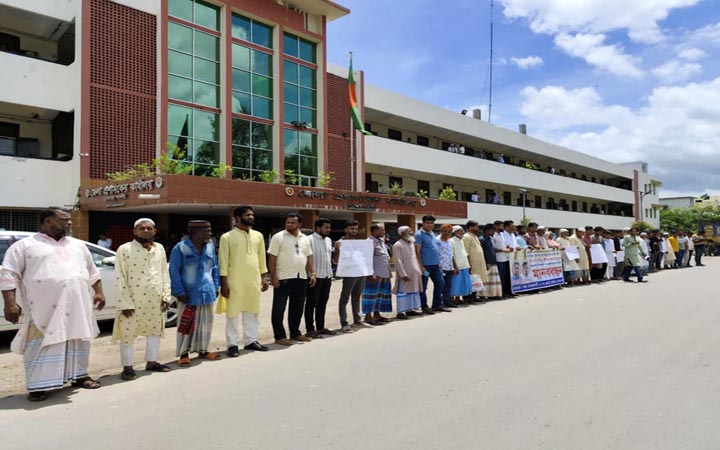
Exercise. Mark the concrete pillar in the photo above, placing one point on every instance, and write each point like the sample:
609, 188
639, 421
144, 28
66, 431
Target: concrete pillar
162, 224
365, 220
309, 217
80, 224
407, 220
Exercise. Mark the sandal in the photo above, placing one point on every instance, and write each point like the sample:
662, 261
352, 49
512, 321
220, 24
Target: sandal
86, 383
184, 361
157, 367
128, 374
37, 396
212, 356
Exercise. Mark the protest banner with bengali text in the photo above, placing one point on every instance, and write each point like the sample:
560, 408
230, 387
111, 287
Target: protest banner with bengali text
531, 270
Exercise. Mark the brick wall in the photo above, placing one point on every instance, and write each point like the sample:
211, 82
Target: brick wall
338, 111
123, 88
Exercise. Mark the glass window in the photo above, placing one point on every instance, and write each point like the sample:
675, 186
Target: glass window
207, 71
178, 120
252, 149
180, 88
301, 155
180, 37
240, 27
179, 63
300, 95
292, 113
252, 87
240, 57
307, 98
207, 15
182, 9
261, 63
290, 93
290, 72
207, 46
196, 133
307, 51
290, 45
307, 77
262, 107
241, 103
261, 85
206, 94
261, 34
241, 80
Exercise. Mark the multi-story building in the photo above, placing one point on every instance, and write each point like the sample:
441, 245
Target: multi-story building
241, 94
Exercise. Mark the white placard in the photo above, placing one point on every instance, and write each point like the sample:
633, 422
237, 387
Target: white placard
620, 256
356, 258
572, 252
597, 254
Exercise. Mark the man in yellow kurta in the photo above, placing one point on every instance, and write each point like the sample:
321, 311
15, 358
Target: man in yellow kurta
143, 296
243, 275
583, 273
474, 250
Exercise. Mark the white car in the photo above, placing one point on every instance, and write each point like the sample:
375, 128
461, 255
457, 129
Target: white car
105, 262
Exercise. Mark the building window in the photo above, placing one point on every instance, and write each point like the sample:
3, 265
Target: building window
299, 48
252, 149
193, 65
422, 140
196, 133
300, 94
424, 185
395, 134
197, 12
250, 30
9, 135
396, 180
301, 157
252, 82
584, 207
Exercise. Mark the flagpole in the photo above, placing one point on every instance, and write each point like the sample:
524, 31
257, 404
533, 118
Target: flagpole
352, 146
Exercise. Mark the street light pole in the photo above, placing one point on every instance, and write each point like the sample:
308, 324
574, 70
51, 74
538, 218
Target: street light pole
524, 197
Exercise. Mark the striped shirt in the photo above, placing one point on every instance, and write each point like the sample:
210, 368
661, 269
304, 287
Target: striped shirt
322, 251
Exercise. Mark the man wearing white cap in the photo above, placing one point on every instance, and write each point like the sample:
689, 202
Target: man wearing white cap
143, 296
408, 283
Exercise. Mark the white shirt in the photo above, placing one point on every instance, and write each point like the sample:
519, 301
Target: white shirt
106, 243
321, 252
291, 253
53, 279
499, 244
475, 198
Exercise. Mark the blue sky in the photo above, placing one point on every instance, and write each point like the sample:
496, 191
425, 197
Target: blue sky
617, 79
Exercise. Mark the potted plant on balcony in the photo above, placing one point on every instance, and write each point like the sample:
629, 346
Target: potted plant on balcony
396, 189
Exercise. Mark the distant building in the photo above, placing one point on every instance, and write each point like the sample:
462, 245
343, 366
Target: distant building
678, 202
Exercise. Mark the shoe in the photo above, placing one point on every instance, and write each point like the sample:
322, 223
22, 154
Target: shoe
642, 281
256, 346
628, 280
441, 309
402, 316
285, 342
212, 356
427, 311
327, 332
301, 338
347, 329
412, 313
452, 305
233, 351
313, 335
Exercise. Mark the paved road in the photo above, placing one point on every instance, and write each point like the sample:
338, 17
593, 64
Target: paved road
614, 366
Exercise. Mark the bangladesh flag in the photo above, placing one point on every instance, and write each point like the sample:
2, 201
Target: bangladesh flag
354, 111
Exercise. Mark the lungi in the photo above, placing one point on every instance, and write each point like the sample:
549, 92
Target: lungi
377, 296
461, 283
52, 366
493, 287
193, 333
407, 302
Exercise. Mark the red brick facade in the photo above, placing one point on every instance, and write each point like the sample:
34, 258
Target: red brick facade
338, 113
123, 87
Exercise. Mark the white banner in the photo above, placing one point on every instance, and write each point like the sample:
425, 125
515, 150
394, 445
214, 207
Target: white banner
572, 252
356, 258
535, 269
597, 254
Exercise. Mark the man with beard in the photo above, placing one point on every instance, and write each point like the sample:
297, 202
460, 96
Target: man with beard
55, 272
408, 283
475, 255
143, 296
352, 287
318, 295
195, 283
243, 276
377, 293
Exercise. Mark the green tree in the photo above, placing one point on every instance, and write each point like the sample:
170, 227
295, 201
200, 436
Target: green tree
641, 226
688, 219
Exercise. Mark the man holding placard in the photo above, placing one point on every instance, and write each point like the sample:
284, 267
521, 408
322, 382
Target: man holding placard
598, 256
352, 287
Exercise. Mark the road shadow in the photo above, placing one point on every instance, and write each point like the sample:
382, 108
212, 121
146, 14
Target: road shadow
55, 397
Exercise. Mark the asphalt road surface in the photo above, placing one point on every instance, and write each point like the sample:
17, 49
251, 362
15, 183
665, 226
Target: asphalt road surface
612, 366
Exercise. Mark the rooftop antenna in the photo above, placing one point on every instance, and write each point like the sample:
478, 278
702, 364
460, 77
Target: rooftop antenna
492, 24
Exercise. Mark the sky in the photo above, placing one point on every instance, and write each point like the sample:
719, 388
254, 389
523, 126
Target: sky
623, 80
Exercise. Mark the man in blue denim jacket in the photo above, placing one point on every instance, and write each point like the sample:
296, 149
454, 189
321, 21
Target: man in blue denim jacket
195, 281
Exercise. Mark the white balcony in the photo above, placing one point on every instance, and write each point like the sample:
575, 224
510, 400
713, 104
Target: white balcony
408, 157
38, 183
39, 83
486, 212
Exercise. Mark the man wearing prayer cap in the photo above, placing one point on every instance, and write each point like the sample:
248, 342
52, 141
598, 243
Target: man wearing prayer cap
143, 296
408, 283
195, 282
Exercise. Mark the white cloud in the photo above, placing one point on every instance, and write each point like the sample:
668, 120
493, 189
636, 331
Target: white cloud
676, 71
709, 34
692, 54
527, 62
607, 57
675, 130
640, 18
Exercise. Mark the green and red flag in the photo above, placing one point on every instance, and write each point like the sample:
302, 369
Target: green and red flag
354, 111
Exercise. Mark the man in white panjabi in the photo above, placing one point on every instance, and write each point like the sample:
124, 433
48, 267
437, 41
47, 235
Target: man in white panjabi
54, 273
143, 296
